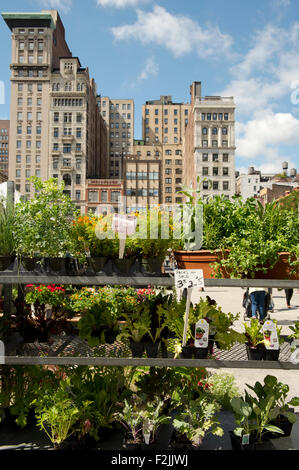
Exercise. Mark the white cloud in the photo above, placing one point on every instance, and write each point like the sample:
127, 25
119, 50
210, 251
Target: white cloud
262, 135
62, 5
179, 34
119, 3
151, 68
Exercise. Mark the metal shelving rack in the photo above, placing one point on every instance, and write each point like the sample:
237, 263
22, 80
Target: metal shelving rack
22, 278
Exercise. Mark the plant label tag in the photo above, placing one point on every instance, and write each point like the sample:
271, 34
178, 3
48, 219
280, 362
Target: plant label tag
2, 353
270, 335
146, 438
245, 439
201, 334
188, 278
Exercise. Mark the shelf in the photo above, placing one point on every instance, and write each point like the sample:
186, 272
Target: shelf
166, 280
150, 362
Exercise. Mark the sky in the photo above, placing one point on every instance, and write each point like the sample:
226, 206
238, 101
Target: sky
142, 49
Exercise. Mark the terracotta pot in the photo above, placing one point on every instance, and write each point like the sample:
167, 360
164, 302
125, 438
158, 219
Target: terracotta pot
201, 259
281, 270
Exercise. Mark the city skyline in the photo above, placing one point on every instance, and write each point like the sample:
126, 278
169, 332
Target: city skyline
139, 49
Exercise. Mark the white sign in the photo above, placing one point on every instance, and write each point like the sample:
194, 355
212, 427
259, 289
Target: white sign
188, 278
270, 335
201, 334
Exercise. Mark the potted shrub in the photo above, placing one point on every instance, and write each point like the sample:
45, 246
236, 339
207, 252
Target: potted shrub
43, 225
193, 422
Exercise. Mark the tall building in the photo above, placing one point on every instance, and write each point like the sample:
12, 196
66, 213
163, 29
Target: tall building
4, 149
119, 118
54, 118
209, 148
163, 128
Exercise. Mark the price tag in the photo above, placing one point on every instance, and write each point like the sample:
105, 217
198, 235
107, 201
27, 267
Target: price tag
188, 278
124, 225
2, 353
270, 335
201, 334
245, 439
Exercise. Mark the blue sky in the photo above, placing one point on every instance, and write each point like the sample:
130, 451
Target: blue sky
142, 49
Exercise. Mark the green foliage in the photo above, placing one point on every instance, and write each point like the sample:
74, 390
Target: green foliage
295, 330
7, 222
43, 223
253, 333
137, 325
198, 419
222, 388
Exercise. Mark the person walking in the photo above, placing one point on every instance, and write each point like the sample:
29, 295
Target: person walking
289, 295
258, 302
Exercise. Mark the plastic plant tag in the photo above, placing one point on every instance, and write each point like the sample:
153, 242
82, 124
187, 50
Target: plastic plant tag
146, 432
270, 335
124, 225
245, 439
188, 278
201, 334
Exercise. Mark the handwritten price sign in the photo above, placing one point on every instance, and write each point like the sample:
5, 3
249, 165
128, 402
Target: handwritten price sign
188, 278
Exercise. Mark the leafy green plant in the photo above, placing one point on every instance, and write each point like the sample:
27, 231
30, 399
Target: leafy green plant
295, 330
43, 224
137, 325
7, 222
222, 388
56, 415
131, 418
253, 333
197, 420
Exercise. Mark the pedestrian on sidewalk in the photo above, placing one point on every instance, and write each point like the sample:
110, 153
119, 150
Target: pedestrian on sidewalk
258, 302
289, 295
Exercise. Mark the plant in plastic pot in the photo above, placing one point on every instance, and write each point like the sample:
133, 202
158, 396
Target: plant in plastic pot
285, 417
131, 417
57, 415
43, 223
255, 340
194, 421
136, 326
294, 335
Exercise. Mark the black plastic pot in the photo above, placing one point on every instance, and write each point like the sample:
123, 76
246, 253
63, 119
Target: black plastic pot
254, 354
237, 445
211, 345
151, 348
55, 265
98, 263
187, 352
31, 264
131, 446
123, 266
137, 349
284, 424
5, 262
201, 353
152, 265
271, 354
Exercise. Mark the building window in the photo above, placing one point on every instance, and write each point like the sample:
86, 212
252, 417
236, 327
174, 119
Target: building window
214, 131
178, 162
168, 189
168, 171
56, 117
93, 196
37, 173
225, 171
78, 195
205, 171
224, 130
215, 185
203, 116
67, 117
56, 132
215, 171
104, 196
208, 116
168, 199
66, 162
205, 185
225, 185
18, 173
18, 158
28, 159
204, 130
78, 179
55, 147
205, 157
224, 143
115, 195
67, 148
67, 179
225, 157
168, 180
78, 164
204, 143
168, 162
214, 143
215, 157
214, 116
